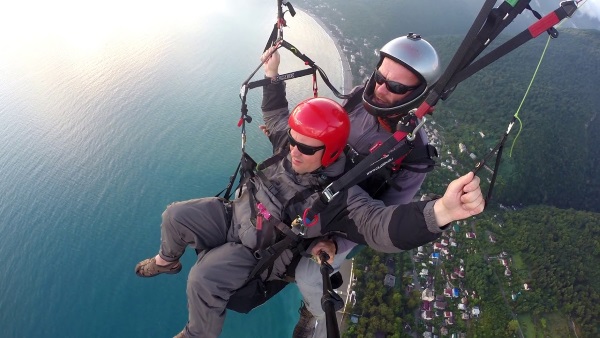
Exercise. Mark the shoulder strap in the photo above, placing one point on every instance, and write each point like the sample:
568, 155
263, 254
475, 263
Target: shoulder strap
354, 100
246, 166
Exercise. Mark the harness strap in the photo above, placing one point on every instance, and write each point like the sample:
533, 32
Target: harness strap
298, 197
418, 160
227, 189
254, 216
247, 170
270, 186
273, 159
245, 166
266, 257
354, 100
281, 77
313, 65
375, 161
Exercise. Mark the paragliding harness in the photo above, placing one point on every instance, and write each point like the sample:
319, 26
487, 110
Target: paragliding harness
274, 236
487, 26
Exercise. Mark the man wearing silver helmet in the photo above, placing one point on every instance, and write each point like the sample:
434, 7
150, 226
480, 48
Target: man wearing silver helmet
407, 69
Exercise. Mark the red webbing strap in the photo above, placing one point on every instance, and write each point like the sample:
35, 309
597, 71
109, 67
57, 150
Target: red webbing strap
566, 9
544, 24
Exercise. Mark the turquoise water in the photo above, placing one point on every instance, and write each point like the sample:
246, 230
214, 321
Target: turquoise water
108, 112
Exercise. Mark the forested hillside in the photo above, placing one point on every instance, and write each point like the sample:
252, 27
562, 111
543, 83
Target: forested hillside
555, 159
562, 253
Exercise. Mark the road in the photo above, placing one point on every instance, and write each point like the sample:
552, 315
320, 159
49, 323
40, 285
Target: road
345, 291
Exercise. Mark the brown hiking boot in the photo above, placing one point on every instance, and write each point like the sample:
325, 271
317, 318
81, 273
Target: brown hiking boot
149, 268
306, 323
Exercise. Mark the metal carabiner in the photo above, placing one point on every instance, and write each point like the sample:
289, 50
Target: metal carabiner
411, 136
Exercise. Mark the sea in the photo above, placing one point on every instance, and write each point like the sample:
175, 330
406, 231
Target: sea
109, 111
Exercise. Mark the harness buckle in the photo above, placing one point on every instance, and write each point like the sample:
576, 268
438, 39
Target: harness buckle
243, 90
263, 211
329, 195
298, 226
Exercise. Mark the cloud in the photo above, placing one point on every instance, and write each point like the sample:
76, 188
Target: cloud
591, 8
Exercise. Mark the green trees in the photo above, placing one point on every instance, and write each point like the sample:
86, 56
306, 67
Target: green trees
555, 158
380, 309
513, 327
560, 247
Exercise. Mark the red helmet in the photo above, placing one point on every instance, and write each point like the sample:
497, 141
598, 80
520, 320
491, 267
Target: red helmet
325, 120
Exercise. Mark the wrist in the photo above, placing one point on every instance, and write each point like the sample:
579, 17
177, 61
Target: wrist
441, 213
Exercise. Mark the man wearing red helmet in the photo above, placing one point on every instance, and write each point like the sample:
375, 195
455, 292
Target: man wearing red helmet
225, 233
407, 69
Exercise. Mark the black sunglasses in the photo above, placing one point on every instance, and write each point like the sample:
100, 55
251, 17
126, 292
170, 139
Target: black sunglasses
303, 148
392, 86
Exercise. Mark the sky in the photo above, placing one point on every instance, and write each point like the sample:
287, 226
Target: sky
590, 8
84, 19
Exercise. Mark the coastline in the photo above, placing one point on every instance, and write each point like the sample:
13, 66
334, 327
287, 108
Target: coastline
346, 289
347, 83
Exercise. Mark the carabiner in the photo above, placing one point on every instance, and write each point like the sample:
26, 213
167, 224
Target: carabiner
411, 136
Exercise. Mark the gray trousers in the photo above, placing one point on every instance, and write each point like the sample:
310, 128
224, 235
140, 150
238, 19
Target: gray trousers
222, 266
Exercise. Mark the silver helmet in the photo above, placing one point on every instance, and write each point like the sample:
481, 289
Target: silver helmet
417, 55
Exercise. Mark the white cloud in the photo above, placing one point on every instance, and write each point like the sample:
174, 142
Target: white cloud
591, 8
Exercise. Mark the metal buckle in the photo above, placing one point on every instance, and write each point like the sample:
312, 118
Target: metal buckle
328, 194
411, 136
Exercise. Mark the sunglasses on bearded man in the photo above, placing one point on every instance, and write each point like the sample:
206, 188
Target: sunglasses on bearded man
392, 86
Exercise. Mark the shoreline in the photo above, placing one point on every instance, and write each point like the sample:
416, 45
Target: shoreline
346, 289
347, 78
